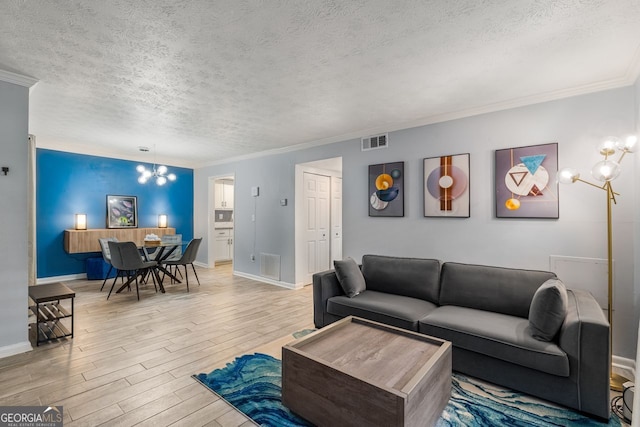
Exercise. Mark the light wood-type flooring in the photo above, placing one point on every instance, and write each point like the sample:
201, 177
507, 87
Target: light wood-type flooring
130, 361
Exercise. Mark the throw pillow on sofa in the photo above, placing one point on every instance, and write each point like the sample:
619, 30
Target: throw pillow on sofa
548, 309
350, 277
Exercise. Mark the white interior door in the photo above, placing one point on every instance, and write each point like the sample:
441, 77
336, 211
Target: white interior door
336, 219
316, 217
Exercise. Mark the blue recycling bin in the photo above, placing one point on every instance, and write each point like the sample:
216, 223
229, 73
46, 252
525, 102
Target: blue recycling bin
97, 268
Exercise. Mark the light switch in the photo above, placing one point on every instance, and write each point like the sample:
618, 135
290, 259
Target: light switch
283, 202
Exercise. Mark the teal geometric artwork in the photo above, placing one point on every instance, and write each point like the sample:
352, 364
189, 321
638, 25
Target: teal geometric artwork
532, 163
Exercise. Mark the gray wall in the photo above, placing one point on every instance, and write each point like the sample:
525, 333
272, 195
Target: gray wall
14, 110
274, 226
577, 124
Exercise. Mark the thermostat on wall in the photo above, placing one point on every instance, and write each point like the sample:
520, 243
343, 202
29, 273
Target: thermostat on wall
255, 191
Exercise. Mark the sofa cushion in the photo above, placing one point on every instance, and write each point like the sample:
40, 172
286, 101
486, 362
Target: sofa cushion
496, 289
548, 309
396, 310
350, 277
411, 277
496, 335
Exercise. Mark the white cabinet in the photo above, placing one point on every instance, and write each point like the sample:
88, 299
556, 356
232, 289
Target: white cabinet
223, 198
223, 246
227, 192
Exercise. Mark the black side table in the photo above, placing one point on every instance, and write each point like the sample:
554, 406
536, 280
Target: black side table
49, 311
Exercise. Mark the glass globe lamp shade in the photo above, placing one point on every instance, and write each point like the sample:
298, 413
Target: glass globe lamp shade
161, 180
606, 170
171, 176
607, 146
142, 179
140, 168
629, 144
162, 169
567, 176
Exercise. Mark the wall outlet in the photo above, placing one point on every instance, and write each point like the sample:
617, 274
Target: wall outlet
252, 257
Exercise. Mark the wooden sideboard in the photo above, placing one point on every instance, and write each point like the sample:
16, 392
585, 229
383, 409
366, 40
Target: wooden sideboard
80, 241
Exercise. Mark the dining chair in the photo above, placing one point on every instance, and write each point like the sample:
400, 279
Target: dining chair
126, 258
187, 258
106, 255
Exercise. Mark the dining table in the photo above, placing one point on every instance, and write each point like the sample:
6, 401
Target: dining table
163, 251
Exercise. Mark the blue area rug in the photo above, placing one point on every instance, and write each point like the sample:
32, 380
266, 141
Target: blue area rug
252, 384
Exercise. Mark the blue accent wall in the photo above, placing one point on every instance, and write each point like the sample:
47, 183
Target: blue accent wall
69, 183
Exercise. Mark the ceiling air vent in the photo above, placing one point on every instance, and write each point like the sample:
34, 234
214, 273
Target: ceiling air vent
375, 142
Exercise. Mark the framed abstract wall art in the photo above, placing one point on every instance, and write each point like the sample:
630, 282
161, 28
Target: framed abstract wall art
446, 186
122, 212
525, 186
386, 189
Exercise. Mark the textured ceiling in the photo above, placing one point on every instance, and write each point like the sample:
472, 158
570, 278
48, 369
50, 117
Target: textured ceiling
205, 80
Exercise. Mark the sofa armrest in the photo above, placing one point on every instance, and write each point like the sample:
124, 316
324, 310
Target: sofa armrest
325, 286
584, 336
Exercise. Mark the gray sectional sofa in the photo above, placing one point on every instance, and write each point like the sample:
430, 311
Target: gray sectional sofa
485, 312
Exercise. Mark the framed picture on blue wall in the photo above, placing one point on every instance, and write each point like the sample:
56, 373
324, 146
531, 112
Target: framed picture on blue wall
122, 212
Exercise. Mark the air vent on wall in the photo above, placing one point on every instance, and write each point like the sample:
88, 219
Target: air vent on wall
270, 266
374, 142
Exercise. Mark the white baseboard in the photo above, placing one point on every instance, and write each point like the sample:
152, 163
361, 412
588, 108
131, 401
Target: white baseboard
624, 363
54, 279
201, 264
10, 350
265, 280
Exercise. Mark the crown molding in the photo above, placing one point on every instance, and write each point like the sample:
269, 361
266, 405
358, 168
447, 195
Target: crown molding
633, 72
17, 79
281, 150
627, 80
99, 151
519, 102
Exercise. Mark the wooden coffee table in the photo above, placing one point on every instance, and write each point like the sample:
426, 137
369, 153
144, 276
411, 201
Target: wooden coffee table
355, 372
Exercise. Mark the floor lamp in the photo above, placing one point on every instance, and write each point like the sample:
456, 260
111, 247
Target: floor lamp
606, 171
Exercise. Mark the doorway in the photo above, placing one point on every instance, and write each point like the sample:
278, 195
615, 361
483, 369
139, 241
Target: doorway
221, 223
318, 217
